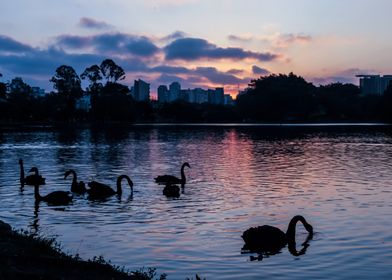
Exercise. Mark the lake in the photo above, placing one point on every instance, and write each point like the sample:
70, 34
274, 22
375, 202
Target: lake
338, 177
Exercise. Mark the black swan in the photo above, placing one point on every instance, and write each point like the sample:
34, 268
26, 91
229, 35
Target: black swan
76, 187
100, 191
170, 179
53, 198
269, 240
171, 190
32, 179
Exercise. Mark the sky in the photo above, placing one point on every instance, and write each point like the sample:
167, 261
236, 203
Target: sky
199, 43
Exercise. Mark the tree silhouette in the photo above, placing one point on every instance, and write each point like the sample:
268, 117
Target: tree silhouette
278, 98
111, 71
68, 86
3, 88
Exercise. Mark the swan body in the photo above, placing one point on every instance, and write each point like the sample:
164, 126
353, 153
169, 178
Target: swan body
171, 190
269, 239
31, 179
76, 187
53, 198
170, 179
100, 191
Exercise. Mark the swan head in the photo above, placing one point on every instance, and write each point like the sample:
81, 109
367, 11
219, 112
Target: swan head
34, 169
186, 164
67, 173
20, 161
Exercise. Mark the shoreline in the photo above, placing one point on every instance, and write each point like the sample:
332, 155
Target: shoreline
23, 256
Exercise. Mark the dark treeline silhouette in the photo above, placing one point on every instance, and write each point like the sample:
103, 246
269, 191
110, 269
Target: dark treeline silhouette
273, 98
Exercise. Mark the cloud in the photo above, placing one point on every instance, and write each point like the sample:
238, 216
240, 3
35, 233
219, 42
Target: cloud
174, 36
111, 43
240, 38
195, 48
259, 71
235, 71
9, 45
217, 77
170, 69
90, 23
343, 76
294, 38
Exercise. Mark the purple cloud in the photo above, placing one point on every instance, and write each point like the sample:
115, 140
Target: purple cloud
117, 43
7, 44
90, 23
259, 71
217, 77
195, 48
174, 36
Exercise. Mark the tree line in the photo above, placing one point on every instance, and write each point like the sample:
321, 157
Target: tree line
273, 98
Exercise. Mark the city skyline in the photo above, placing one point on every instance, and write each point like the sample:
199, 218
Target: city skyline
198, 43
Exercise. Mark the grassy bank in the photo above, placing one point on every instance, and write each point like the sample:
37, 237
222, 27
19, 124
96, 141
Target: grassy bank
23, 256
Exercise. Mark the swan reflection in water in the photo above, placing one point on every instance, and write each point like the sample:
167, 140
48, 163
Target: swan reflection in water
268, 240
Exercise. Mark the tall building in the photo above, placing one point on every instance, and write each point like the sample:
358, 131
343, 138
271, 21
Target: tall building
216, 96
141, 90
374, 84
174, 91
163, 94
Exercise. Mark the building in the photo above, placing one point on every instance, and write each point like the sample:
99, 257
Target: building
374, 84
163, 94
141, 90
228, 100
38, 92
174, 91
216, 96
84, 103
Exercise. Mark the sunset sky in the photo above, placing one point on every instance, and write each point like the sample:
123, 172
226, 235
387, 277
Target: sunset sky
200, 43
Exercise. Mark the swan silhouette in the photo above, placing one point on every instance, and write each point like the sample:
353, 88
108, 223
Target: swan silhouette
53, 198
76, 187
32, 179
170, 179
269, 240
171, 190
100, 191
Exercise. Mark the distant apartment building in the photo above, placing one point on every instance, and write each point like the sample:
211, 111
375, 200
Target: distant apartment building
38, 92
163, 94
228, 100
84, 103
174, 91
197, 95
141, 90
374, 84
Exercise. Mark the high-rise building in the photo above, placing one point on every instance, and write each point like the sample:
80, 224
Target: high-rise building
163, 94
374, 84
174, 91
216, 96
141, 90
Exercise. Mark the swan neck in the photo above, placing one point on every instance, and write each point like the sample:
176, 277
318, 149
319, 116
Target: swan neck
75, 178
37, 196
290, 233
183, 178
22, 174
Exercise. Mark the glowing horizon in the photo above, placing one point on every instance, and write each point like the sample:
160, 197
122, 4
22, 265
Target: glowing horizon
198, 43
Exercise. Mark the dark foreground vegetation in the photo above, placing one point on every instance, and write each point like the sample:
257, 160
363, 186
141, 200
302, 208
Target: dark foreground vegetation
24, 256
273, 98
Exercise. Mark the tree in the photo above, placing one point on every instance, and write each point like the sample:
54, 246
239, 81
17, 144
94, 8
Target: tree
68, 86
3, 89
94, 75
278, 98
111, 71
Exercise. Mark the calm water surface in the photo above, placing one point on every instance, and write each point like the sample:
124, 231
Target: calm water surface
339, 178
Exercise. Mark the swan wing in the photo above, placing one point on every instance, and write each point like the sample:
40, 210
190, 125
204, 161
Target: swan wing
164, 179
